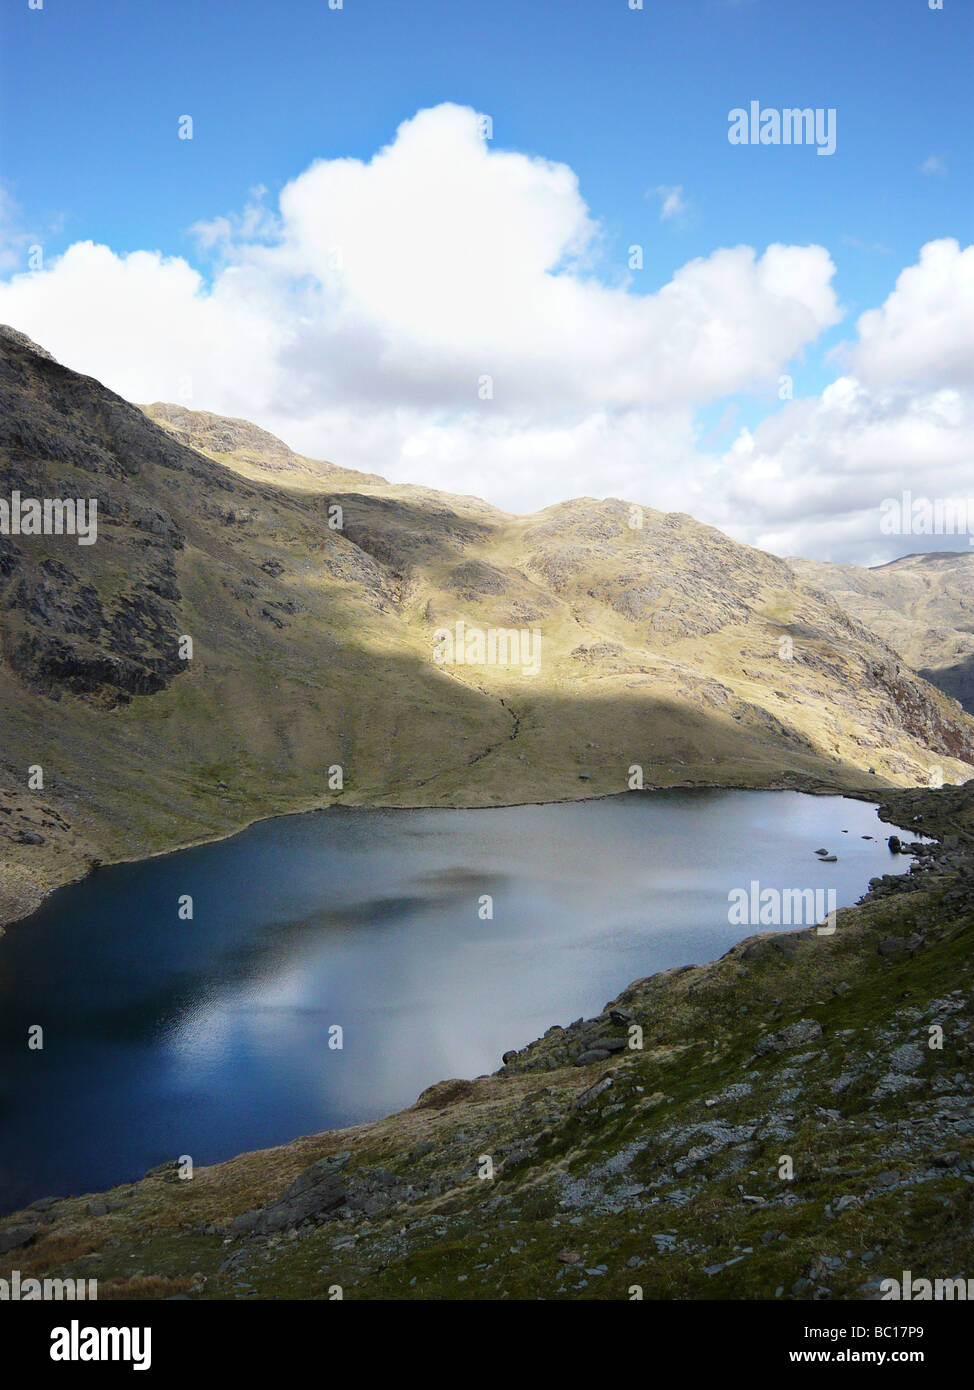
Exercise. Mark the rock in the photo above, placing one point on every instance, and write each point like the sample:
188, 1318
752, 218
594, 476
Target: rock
315, 1192
13, 335
829, 859
908, 1058
895, 844
716, 1269
766, 948
892, 1083
594, 1054
376, 1191
620, 1017
26, 837
592, 1093
244, 1224
97, 1208
568, 1257
805, 1030
15, 1237
445, 1093
509, 1056
167, 1171
891, 946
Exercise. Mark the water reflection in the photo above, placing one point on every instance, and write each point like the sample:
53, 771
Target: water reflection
165, 1037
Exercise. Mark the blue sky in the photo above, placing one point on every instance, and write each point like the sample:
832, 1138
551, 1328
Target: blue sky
630, 100
634, 102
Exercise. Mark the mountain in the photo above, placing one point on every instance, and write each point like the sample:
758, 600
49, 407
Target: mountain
316, 599
922, 605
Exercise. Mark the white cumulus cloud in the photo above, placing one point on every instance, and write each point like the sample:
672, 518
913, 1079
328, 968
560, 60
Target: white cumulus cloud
434, 314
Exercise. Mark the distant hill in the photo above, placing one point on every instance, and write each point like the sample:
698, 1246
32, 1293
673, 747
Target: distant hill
313, 644
922, 605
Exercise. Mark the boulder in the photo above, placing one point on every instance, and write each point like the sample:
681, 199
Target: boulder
315, 1192
245, 1223
594, 1054
908, 1058
14, 1237
805, 1030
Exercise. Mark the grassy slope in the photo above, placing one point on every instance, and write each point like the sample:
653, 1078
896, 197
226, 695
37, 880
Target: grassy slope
666, 637
644, 1181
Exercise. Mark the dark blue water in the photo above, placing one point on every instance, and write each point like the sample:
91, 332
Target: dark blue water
207, 1037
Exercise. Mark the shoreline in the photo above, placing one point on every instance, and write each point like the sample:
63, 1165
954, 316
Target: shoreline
814, 788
